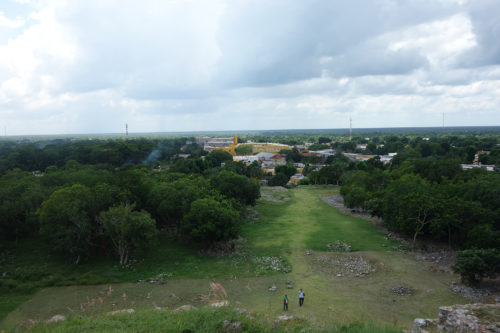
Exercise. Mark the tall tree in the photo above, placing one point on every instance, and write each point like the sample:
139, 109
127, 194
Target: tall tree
410, 206
210, 221
128, 230
236, 186
65, 221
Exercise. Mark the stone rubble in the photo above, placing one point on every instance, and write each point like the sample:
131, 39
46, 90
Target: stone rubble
186, 307
121, 311
339, 246
236, 326
219, 304
402, 290
56, 318
245, 312
475, 294
462, 318
348, 266
437, 259
276, 264
159, 279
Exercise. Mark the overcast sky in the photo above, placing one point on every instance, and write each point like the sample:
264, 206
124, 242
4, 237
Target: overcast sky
91, 66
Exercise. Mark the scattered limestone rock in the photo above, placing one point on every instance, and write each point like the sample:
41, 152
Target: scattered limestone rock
56, 318
422, 325
121, 311
476, 295
272, 289
28, 323
245, 312
402, 290
343, 265
285, 318
236, 326
159, 279
186, 307
219, 304
276, 264
339, 246
289, 286
481, 318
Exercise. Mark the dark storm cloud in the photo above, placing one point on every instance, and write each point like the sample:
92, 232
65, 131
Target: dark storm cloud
485, 18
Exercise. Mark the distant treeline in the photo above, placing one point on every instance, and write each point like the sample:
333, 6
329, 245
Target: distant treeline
31, 156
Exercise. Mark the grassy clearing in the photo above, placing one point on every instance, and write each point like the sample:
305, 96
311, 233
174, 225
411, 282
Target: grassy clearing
33, 264
34, 268
202, 320
308, 222
284, 230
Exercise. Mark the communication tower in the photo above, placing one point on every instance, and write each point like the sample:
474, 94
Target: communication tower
126, 129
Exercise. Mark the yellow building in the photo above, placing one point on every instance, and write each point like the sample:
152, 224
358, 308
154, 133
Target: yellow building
231, 148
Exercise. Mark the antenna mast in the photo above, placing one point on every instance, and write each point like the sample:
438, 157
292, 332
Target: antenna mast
443, 119
126, 129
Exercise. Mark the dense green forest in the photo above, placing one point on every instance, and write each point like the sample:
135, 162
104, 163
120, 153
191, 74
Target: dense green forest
93, 197
424, 193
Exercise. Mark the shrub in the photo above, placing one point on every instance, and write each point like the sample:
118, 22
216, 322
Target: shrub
475, 264
210, 221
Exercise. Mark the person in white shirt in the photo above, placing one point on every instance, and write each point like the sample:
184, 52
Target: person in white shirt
301, 297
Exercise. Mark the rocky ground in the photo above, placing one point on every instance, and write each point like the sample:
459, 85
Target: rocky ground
484, 318
337, 265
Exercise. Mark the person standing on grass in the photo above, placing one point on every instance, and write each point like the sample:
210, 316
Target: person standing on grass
285, 303
301, 297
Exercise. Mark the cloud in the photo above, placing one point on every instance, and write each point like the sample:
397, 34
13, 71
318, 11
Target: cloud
10, 23
212, 65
